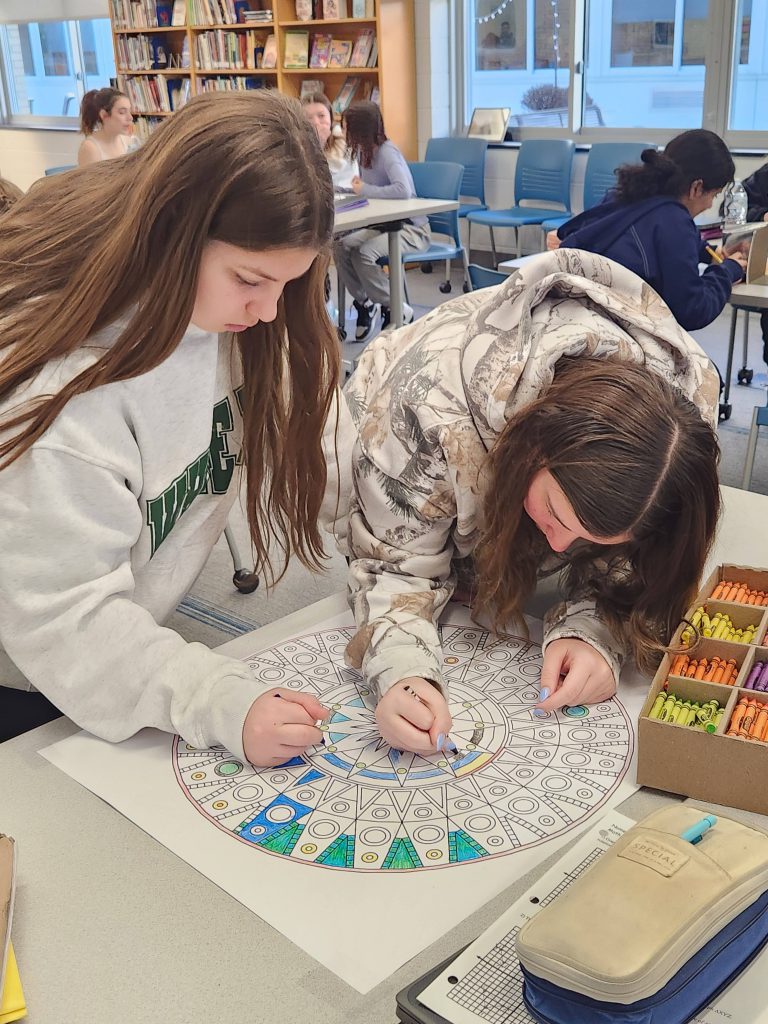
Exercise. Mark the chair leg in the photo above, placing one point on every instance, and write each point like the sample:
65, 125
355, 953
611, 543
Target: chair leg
341, 300
749, 462
517, 243
493, 251
469, 238
467, 279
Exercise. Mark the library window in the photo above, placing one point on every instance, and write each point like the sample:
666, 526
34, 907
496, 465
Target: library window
749, 78
49, 65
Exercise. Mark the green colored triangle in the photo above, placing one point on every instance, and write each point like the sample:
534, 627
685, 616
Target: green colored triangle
463, 847
284, 840
340, 854
402, 855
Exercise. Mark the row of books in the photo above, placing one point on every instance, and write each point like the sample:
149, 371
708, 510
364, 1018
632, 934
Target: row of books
240, 84
221, 12
146, 13
156, 94
150, 53
327, 52
219, 50
333, 10
352, 89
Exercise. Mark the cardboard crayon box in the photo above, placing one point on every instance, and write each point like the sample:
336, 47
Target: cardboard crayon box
711, 766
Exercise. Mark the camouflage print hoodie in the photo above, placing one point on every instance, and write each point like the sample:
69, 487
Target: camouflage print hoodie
428, 402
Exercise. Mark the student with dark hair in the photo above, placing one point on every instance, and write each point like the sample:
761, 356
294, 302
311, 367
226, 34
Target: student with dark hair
107, 124
163, 339
646, 224
384, 174
756, 186
562, 421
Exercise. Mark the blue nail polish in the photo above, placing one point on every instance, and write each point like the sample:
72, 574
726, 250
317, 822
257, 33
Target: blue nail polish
539, 713
543, 693
440, 741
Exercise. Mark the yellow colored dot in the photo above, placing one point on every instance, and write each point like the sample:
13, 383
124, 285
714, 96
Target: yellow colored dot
401, 771
370, 858
198, 775
434, 854
331, 750
309, 848
360, 764
219, 805
442, 764
471, 746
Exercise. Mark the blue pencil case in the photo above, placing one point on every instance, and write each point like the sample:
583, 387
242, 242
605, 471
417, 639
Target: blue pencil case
653, 931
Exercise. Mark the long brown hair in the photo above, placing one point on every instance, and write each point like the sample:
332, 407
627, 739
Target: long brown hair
364, 127
126, 237
632, 455
695, 155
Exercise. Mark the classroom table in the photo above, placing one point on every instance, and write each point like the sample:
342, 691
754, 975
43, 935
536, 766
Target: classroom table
109, 925
391, 212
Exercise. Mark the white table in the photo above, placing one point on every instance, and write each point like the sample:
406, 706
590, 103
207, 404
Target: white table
110, 926
392, 212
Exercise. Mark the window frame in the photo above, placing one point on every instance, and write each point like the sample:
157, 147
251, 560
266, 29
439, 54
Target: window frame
721, 64
44, 122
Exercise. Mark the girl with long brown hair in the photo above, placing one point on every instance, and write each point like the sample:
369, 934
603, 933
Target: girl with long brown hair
562, 421
384, 174
343, 166
161, 325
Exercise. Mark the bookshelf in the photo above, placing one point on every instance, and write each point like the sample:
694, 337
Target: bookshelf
160, 66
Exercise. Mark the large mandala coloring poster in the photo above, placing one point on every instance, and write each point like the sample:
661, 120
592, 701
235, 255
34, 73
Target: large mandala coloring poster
351, 833
354, 803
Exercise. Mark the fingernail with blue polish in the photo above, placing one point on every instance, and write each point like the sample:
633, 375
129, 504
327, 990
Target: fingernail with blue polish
440, 741
451, 747
539, 713
543, 693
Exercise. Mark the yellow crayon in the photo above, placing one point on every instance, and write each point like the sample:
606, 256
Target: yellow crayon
658, 704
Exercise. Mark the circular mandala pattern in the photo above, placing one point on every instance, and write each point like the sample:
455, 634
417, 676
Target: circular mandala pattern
353, 803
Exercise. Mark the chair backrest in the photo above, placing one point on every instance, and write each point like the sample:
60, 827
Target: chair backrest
543, 171
482, 277
436, 179
470, 153
603, 159
60, 170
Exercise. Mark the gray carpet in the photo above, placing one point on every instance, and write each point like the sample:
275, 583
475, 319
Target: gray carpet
215, 612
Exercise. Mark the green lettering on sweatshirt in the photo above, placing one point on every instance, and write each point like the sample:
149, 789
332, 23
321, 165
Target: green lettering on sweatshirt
216, 465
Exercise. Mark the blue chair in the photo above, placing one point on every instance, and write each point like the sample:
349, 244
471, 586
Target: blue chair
600, 173
482, 277
542, 174
437, 180
759, 419
470, 153
60, 170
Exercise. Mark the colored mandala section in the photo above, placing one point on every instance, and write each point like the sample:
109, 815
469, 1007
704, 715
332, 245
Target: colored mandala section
353, 804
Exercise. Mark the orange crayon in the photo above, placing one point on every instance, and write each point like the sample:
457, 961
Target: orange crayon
710, 673
702, 668
748, 720
679, 665
720, 589
737, 717
758, 726
691, 670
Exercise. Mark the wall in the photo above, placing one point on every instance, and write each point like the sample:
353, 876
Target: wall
25, 153
433, 70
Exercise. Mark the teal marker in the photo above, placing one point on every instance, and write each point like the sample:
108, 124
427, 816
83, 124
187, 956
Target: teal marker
696, 832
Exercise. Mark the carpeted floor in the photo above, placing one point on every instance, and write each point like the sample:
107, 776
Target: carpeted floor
215, 612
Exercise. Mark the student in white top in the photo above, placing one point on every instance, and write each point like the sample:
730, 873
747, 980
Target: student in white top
107, 124
151, 352
319, 112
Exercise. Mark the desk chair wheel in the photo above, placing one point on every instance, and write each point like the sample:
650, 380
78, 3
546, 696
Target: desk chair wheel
745, 375
465, 288
725, 412
246, 582
341, 333
445, 287
426, 268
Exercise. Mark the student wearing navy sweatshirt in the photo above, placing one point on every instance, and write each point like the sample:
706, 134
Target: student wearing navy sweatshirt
384, 174
646, 224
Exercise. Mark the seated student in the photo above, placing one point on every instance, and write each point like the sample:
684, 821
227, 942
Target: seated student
9, 194
319, 112
646, 224
148, 349
107, 124
384, 175
756, 186
536, 427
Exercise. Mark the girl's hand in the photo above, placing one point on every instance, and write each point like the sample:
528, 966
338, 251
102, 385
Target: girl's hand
410, 724
280, 725
356, 185
574, 672
553, 242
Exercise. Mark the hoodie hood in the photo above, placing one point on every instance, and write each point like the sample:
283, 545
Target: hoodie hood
599, 228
